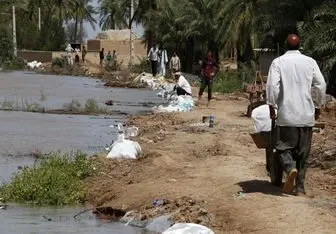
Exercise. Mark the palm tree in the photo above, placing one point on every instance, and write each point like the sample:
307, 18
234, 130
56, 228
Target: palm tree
83, 11
114, 14
320, 40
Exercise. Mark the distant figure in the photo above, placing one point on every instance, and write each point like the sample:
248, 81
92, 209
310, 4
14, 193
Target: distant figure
69, 51
208, 72
163, 60
109, 58
114, 58
182, 86
101, 57
84, 52
77, 50
153, 57
175, 64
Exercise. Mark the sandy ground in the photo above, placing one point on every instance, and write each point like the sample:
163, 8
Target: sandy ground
215, 176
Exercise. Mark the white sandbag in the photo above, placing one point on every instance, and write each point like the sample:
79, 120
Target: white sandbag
123, 148
261, 119
178, 104
188, 228
34, 64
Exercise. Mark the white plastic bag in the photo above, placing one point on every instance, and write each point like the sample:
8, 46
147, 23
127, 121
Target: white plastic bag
188, 228
123, 148
261, 119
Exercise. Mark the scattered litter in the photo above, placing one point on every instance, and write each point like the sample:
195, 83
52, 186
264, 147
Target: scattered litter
109, 103
159, 202
239, 195
187, 228
3, 207
34, 64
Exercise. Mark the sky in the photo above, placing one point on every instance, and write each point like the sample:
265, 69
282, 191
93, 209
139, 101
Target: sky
138, 29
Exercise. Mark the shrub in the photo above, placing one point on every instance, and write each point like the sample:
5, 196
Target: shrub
143, 66
54, 180
60, 62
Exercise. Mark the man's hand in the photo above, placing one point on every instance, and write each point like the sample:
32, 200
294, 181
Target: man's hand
317, 113
272, 112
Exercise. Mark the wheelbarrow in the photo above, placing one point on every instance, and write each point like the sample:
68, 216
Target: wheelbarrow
266, 140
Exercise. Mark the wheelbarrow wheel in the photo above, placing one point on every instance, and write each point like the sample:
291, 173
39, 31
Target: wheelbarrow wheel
275, 170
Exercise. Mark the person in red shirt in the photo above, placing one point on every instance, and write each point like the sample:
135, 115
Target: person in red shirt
208, 72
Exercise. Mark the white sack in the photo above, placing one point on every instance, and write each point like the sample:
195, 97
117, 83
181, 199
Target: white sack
188, 228
123, 148
261, 119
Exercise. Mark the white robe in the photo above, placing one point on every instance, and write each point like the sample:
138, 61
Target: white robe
163, 62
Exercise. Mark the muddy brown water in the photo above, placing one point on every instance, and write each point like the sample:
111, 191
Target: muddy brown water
25, 132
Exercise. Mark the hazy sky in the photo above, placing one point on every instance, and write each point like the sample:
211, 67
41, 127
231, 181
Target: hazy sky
93, 33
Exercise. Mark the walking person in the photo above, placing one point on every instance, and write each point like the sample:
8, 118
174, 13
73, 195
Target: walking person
101, 58
182, 86
153, 57
289, 85
84, 52
174, 64
208, 72
163, 60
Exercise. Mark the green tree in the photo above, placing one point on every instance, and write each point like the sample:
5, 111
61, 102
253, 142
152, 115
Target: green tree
6, 45
114, 14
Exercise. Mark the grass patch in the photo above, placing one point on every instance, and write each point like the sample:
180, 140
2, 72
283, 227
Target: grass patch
231, 81
55, 179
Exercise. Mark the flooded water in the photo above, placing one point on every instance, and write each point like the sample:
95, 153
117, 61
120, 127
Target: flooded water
25, 132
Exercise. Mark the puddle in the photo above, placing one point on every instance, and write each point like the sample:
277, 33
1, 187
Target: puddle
25, 132
32, 220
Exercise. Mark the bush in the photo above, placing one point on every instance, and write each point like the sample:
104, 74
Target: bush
55, 180
60, 62
143, 66
227, 83
113, 66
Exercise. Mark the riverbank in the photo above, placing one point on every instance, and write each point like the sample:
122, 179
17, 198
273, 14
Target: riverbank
214, 176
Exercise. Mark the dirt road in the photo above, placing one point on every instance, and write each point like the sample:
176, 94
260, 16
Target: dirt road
215, 177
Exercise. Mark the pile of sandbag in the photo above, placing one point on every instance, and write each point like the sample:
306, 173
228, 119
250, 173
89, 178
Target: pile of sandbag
177, 104
34, 64
153, 83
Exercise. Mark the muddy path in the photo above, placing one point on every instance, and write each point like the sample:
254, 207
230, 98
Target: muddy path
215, 177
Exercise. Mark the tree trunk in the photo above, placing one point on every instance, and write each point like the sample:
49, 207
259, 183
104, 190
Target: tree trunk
76, 25
81, 32
214, 49
248, 55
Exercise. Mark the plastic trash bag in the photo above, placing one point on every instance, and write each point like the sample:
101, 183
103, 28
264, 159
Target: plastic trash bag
124, 148
261, 119
188, 228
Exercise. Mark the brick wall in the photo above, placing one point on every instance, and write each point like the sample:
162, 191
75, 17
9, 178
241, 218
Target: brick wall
40, 56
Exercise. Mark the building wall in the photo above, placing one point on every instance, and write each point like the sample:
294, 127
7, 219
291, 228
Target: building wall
40, 56
122, 48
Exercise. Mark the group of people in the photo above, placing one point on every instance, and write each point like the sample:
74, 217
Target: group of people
110, 58
159, 59
70, 51
289, 91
